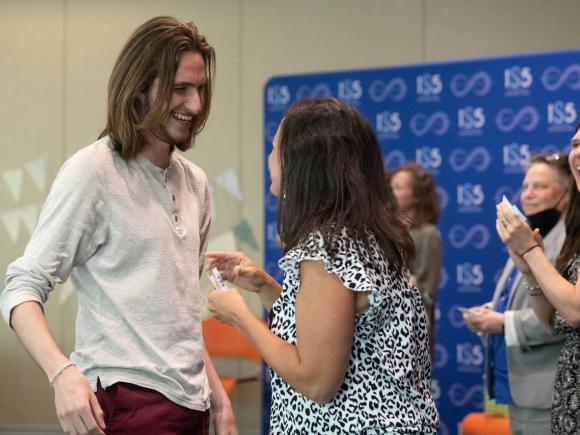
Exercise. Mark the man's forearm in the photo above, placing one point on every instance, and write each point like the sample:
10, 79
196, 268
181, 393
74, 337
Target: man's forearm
30, 325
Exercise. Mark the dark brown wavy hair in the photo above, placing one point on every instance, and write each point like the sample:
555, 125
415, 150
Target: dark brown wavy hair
153, 51
572, 243
427, 209
333, 179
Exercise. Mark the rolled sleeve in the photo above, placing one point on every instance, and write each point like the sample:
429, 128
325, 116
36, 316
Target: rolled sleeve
71, 226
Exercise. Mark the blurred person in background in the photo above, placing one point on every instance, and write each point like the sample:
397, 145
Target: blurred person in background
418, 203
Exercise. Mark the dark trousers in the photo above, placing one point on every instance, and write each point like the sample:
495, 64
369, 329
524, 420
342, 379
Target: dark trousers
133, 410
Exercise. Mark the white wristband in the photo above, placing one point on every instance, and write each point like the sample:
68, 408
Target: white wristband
59, 371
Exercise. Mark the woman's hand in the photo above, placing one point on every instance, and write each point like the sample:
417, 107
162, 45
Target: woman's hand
519, 262
516, 234
227, 305
237, 268
484, 320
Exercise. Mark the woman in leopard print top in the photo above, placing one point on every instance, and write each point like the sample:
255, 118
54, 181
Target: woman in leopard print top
348, 343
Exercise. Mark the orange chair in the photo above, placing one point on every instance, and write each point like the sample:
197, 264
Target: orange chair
485, 423
225, 341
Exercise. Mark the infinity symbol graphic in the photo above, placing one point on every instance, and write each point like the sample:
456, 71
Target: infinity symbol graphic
479, 158
477, 236
527, 118
480, 83
321, 90
438, 123
396, 89
553, 79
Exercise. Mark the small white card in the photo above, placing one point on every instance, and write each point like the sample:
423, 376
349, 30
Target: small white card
216, 279
513, 208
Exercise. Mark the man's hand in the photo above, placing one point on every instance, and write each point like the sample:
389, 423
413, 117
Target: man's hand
223, 421
77, 407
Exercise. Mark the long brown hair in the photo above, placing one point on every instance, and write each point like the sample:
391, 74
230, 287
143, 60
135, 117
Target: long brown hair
427, 209
153, 51
332, 179
572, 244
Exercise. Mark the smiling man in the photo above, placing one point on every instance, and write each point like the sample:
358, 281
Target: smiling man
127, 218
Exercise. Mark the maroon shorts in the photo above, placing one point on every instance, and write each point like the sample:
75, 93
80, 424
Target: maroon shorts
131, 410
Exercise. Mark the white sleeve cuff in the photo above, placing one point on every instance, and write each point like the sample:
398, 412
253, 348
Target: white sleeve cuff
509, 324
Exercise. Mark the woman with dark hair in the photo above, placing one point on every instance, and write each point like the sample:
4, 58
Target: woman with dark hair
554, 293
348, 345
418, 203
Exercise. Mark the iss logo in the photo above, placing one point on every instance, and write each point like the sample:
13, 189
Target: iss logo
429, 87
394, 158
478, 84
350, 90
321, 90
526, 119
561, 116
478, 159
517, 80
388, 125
278, 97
395, 90
476, 236
515, 157
469, 277
470, 357
437, 124
470, 121
428, 157
443, 197
460, 395
553, 79
470, 197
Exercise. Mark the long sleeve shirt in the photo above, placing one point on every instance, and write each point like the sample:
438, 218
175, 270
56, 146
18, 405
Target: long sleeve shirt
130, 235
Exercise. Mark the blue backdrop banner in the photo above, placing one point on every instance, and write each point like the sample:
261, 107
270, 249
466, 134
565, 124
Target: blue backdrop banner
473, 124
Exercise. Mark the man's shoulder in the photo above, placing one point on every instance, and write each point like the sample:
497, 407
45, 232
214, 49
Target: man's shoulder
88, 162
93, 154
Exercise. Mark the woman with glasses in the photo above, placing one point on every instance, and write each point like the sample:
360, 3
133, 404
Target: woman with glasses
554, 292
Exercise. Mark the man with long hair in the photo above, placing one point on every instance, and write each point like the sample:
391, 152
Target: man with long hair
127, 219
